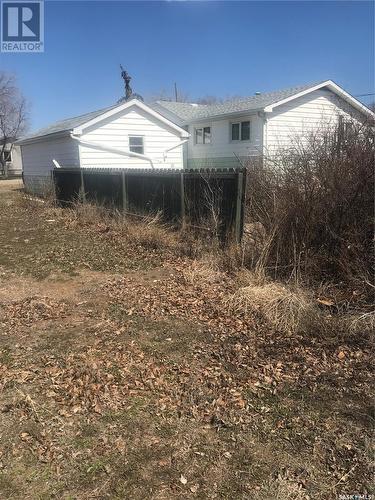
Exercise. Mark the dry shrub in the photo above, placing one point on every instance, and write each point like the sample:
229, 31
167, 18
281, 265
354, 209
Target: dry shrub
315, 202
287, 309
88, 213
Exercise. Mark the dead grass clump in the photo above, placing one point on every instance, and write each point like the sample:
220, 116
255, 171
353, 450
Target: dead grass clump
286, 309
147, 231
363, 323
203, 272
88, 213
153, 234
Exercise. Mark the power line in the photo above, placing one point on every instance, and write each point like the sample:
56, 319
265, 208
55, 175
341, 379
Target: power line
364, 95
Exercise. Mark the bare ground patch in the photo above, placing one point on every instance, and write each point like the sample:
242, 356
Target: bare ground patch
124, 373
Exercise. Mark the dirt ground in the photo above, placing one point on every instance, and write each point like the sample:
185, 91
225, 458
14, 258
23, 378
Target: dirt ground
123, 376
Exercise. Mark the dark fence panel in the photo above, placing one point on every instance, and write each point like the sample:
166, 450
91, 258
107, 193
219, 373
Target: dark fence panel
67, 185
104, 189
193, 197
211, 200
152, 194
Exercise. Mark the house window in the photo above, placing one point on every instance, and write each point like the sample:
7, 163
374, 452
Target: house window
345, 125
203, 135
240, 131
136, 144
236, 131
6, 156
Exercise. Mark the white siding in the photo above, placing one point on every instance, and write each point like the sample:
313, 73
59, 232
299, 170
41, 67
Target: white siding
222, 150
115, 132
37, 157
299, 117
16, 165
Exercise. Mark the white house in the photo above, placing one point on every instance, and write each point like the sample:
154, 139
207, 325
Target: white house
177, 135
130, 134
221, 134
10, 161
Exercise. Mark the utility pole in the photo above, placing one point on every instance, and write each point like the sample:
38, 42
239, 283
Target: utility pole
175, 91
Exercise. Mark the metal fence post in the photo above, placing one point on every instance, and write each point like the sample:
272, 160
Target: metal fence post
124, 193
83, 187
182, 192
239, 201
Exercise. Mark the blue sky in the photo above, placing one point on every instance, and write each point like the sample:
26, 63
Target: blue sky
215, 48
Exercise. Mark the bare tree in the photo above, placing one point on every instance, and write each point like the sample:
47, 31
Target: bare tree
209, 99
13, 114
164, 95
182, 96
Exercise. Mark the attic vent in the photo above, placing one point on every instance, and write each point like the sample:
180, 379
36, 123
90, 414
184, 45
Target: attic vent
257, 93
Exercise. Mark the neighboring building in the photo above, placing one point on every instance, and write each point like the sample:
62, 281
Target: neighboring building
10, 161
177, 135
221, 134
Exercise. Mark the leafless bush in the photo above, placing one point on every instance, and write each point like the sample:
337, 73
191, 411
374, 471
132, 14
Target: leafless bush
315, 201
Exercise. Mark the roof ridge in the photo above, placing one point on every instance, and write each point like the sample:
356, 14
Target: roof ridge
76, 120
82, 115
180, 102
245, 103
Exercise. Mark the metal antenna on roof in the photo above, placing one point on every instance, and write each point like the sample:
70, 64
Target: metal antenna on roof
126, 77
129, 94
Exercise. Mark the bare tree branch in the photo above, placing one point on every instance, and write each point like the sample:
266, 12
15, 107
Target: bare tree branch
13, 114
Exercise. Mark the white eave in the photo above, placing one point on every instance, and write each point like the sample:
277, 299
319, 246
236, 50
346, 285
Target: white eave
122, 107
45, 137
331, 86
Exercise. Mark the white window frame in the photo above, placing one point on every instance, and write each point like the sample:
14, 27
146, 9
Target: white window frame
239, 122
143, 143
202, 129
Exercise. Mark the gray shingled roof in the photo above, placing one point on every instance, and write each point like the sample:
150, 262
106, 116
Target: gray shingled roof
183, 110
67, 124
189, 111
